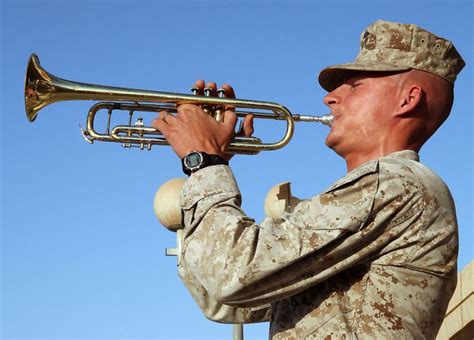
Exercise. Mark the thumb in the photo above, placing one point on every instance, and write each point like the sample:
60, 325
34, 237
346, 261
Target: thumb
248, 125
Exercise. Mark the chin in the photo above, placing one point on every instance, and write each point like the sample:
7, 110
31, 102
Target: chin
333, 145
329, 141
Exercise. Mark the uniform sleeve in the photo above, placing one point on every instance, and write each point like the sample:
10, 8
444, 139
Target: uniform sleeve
239, 263
220, 312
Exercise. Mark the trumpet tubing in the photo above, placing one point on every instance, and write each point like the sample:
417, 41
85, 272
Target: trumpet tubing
43, 89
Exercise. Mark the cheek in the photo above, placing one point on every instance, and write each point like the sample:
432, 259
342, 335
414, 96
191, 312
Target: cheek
363, 123
372, 111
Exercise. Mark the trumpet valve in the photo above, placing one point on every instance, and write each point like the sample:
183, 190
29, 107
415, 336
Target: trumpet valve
207, 91
195, 90
218, 115
219, 110
221, 93
139, 122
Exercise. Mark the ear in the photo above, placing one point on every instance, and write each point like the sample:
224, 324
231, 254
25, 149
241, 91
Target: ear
411, 97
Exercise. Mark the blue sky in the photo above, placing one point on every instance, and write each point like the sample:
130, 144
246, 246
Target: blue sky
82, 252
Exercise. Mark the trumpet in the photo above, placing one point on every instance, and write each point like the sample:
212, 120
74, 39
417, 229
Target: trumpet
43, 88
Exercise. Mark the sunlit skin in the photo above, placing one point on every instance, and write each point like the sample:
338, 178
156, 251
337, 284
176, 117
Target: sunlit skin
375, 114
365, 124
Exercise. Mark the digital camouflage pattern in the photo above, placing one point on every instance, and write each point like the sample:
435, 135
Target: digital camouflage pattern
372, 257
390, 46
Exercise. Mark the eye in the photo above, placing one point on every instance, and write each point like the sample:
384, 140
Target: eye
354, 85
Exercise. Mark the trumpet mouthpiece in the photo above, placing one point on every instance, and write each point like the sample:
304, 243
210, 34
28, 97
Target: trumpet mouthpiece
326, 119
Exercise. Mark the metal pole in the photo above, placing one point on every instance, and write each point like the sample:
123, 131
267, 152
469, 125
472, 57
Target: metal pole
238, 331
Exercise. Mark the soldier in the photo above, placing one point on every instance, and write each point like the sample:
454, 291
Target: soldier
373, 256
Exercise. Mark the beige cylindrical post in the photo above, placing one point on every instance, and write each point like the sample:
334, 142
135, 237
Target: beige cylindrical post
238, 331
166, 204
168, 211
279, 200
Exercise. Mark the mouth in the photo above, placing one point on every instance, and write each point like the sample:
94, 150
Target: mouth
333, 118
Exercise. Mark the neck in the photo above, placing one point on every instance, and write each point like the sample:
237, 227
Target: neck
353, 161
356, 159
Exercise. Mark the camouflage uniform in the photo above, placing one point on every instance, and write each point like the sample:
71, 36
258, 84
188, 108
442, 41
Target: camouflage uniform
372, 257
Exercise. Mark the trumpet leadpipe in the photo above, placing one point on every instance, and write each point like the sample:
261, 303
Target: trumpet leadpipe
324, 119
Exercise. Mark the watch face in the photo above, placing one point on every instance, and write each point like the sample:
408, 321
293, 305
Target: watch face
193, 160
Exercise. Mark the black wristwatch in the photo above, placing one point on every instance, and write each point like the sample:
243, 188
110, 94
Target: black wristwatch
196, 160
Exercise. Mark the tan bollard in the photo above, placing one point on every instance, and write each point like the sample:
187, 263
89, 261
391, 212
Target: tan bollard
280, 201
166, 204
168, 211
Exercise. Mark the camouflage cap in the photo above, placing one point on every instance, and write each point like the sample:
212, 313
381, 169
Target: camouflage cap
390, 46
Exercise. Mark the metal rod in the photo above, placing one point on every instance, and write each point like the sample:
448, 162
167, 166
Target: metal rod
238, 329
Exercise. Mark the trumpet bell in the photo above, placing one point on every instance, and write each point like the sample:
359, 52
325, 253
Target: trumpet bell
35, 95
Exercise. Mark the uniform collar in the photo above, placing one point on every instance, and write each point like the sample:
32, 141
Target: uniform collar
405, 154
372, 166
355, 174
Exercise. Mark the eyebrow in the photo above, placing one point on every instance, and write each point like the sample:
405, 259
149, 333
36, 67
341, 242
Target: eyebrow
354, 77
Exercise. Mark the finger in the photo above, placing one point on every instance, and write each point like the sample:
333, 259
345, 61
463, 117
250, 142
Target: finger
199, 86
162, 116
229, 91
248, 125
166, 117
230, 119
170, 119
160, 125
189, 111
212, 87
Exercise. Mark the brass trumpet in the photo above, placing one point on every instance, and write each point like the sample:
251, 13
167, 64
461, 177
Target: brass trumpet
43, 88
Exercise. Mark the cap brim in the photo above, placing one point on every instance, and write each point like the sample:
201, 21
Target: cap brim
333, 76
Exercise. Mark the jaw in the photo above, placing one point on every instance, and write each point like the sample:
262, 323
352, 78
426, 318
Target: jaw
331, 142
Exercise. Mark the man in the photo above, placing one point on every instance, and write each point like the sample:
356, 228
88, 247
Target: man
374, 256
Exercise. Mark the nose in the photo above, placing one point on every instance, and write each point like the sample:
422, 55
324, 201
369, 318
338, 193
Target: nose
331, 99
